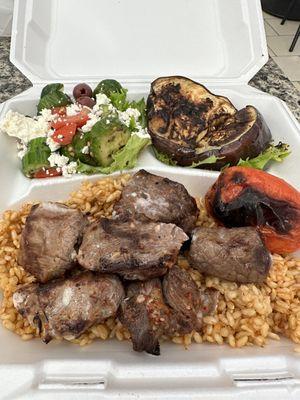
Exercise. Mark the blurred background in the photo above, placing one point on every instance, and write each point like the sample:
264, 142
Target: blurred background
282, 29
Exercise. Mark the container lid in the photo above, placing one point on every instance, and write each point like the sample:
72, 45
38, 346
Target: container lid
138, 40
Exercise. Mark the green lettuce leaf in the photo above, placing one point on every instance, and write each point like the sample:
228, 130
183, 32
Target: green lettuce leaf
208, 160
126, 158
132, 125
107, 86
119, 100
53, 99
52, 87
164, 158
272, 153
141, 106
114, 91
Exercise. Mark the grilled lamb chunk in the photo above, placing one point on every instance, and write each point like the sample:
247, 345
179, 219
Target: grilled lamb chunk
183, 295
135, 250
49, 238
65, 308
147, 317
149, 197
236, 254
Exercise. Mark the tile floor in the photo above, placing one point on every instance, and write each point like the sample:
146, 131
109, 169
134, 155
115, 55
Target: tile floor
279, 39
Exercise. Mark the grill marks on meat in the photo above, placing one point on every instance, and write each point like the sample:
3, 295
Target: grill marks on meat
149, 197
236, 254
132, 249
147, 317
49, 238
183, 295
67, 308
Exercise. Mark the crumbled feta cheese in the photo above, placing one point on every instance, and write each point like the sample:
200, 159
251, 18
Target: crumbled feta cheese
125, 116
142, 133
69, 169
93, 118
21, 146
47, 115
102, 99
58, 160
97, 111
52, 144
22, 127
85, 150
73, 109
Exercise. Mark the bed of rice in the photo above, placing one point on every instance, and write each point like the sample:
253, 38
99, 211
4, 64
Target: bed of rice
246, 314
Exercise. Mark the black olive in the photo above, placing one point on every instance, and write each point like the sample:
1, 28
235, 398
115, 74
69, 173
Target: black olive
82, 89
86, 101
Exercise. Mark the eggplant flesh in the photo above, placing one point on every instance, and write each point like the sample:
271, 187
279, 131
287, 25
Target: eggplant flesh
189, 124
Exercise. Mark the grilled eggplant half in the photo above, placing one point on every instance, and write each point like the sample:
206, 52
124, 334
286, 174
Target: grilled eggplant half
188, 123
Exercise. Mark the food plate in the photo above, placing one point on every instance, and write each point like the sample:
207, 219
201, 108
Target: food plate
31, 370
281, 122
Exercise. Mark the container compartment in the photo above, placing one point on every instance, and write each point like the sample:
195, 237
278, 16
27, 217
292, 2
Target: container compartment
220, 44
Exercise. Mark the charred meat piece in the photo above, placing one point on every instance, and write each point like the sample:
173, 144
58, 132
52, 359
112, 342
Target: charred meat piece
245, 196
49, 239
133, 249
183, 295
149, 197
147, 317
66, 308
236, 254
189, 124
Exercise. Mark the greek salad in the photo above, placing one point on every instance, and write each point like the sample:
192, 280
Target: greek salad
95, 131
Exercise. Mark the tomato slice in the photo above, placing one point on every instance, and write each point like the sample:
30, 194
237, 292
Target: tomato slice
79, 119
47, 173
64, 135
59, 111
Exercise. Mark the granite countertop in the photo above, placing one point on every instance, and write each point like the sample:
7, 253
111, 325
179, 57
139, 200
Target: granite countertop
269, 79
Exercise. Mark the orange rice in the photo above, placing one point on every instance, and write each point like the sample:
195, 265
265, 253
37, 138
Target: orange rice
246, 314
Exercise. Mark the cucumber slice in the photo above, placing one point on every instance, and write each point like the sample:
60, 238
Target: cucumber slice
106, 140
36, 156
68, 151
79, 142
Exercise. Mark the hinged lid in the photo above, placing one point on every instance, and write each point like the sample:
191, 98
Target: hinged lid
138, 40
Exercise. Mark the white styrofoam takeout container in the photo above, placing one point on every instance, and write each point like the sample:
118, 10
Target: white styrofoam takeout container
220, 43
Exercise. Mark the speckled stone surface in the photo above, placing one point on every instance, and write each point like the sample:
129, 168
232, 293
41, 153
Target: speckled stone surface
269, 79
12, 81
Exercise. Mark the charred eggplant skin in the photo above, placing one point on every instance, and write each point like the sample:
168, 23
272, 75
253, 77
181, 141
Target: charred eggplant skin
182, 113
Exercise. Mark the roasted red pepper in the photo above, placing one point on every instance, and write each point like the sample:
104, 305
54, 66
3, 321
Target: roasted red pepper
245, 196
